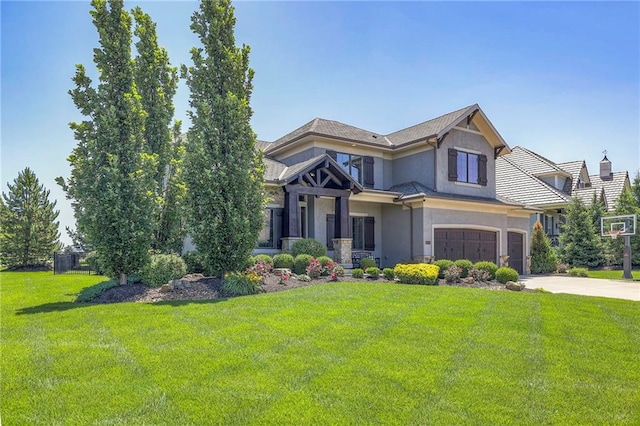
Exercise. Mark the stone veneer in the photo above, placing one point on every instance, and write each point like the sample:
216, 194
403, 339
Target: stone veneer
288, 242
342, 250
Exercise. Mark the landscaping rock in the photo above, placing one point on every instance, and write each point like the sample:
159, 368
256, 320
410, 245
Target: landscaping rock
513, 286
467, 280
279, 271
166, 288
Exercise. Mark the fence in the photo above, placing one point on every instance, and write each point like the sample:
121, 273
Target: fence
71, 263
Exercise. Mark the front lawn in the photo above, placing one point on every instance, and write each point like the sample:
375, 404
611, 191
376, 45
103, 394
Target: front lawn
359, 353
613, 275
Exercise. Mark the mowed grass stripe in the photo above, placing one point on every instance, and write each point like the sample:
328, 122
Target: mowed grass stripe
346, 353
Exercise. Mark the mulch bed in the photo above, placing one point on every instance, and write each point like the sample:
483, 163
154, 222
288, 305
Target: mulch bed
207, 288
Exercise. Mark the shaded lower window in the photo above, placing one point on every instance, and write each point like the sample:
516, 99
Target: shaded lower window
270, 234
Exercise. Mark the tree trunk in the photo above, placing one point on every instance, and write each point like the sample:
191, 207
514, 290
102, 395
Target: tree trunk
123, 279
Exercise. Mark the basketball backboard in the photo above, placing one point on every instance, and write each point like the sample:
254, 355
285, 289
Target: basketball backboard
617, 226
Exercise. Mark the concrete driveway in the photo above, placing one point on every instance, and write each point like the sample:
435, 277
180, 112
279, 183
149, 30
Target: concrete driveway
623, 289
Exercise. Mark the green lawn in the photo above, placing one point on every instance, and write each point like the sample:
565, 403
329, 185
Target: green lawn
613, 275
365, 353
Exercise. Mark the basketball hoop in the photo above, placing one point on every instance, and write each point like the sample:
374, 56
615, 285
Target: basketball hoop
614, 234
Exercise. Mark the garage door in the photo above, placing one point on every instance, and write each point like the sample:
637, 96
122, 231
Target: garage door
472, 244
516, 251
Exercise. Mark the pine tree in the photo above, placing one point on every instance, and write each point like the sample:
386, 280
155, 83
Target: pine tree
157, 81
543, 258
579, 242
112, 175
224, 172
29, 233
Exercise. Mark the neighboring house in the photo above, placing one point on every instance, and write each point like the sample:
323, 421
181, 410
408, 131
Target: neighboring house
422, 193
529, 178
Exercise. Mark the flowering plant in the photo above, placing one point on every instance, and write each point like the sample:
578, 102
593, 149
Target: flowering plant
261, 268
314, 270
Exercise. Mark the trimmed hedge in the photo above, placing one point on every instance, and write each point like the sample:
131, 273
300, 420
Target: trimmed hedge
373, 272
283, 260
465, 265
419, 273
443, 264
309, 246
357, 273
388, 274
163, 268
505, 274
367, 262
490, 267
264, 258
301, 263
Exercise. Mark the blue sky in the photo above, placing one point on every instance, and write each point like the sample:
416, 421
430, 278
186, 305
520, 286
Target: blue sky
559, 78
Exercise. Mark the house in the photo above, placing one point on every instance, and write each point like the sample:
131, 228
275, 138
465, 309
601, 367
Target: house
421, 193
529, 178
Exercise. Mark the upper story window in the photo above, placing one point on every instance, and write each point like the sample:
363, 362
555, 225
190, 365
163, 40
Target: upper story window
360, 167
467, 167
352, 164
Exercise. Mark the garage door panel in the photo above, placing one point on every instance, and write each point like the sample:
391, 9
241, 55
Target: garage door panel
472, 244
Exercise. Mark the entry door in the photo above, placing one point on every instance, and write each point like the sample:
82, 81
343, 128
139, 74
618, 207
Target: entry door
515, 243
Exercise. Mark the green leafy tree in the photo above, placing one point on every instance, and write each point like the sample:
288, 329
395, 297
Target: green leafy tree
579, 242
156, 82
224, 172
29, 231
543, 258
111, 183
627, 204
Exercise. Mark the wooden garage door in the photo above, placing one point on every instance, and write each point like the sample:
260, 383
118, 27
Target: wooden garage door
472, 244
516, 251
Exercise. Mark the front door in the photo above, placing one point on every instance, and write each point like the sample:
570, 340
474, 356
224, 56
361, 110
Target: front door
515, 244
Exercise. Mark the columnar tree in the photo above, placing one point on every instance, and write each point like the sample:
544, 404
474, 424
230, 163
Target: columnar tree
112, 175
28, 228
224, 172
579, 242
543, 258
156, 82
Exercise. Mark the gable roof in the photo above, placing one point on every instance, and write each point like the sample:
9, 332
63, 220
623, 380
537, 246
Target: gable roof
574, 168
612, 187
586, 196
516, 183
533, 163
434, 128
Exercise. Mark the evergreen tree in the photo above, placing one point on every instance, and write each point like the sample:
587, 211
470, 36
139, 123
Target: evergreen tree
112, 175
635, 188
596, 211
543, 258
224, 172
579, 242
156, 81
29, 231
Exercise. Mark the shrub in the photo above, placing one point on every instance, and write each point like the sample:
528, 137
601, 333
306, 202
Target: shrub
241, 284
578, 272
443, 264
327, 265
162, 268
264, 258
419, 273
261, 267
283, 260
479, 274
487, 266
194, 261
313, 248
93, 261
465, 265
301, 262
388, 274
373, 272
562, 268
367, 262
314, 270
505, 274
304, 278
338, 271
357, 273
452, 274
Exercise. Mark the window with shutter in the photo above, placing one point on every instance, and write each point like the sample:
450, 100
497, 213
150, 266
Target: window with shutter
369, 234
368, 172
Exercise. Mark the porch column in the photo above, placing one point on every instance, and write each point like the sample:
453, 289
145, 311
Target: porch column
342, 242
290, 231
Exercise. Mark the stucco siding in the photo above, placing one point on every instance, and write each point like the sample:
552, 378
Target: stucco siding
395, 235
387, 175
472, 142
302, 156
417, 167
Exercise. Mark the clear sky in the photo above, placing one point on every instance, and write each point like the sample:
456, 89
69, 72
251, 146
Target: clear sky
559, 78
